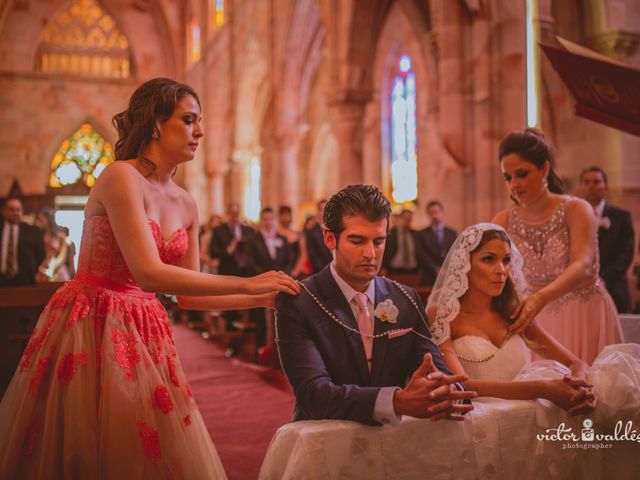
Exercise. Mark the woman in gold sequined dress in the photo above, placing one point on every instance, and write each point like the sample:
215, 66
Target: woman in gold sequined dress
557, 236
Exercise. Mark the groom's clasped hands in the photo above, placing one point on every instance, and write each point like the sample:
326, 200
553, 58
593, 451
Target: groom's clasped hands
432, 394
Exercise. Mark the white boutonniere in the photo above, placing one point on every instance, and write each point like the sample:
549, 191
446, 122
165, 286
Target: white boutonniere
387, 311
604, 222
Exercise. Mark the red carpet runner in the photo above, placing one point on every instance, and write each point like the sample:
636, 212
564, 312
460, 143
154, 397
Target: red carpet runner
239, 402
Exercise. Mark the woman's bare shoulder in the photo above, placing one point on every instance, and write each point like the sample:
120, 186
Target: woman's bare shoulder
121, 170
578, 204
502, 218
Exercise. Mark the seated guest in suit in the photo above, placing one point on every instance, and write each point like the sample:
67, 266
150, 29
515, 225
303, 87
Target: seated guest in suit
265, 251
356, 346
22, 247
227, 245
615, 237
435, 242
400, 251
317, 252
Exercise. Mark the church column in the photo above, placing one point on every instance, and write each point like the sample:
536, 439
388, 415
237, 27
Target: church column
347, 115
289, 175
216, 190
245, 180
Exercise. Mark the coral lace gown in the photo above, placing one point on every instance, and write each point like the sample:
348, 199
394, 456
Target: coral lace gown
99, 392
584, 320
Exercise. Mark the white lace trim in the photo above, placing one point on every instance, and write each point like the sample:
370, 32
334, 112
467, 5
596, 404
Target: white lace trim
452, 281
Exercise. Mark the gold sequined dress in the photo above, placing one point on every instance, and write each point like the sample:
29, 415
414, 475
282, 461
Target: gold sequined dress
584, 320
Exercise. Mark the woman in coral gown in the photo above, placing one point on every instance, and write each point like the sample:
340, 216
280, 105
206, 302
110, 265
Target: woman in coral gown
557, 235
99, 392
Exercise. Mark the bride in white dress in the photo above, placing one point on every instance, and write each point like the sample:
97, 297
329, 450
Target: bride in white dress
469, 310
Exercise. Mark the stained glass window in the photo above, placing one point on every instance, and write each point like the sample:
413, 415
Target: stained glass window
404, 152
219, 12
83, 156
82, 39
194, 43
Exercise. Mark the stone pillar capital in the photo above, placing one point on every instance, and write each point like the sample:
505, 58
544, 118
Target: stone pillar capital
244, 156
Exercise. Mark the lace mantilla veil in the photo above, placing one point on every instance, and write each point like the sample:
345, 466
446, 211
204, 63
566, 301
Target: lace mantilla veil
452, 282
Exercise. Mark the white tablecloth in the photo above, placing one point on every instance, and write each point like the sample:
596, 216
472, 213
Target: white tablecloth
496, 440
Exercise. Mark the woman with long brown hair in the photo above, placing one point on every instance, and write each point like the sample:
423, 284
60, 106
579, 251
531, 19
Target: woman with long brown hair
100, 392
557, 236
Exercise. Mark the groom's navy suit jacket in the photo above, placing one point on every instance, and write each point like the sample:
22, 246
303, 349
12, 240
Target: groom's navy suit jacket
326, 364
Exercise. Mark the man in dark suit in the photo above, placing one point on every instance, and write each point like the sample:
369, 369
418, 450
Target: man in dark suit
434, 244
22, 246
266, 250
346, 359
615, 237
400, 253
228, 242
228, 246
317, 252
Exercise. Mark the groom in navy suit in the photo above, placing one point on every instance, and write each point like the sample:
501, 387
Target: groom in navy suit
356, 346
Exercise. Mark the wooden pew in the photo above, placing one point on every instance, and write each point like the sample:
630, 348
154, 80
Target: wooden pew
19, 311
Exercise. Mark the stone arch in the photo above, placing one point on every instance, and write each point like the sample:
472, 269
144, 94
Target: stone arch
302, 54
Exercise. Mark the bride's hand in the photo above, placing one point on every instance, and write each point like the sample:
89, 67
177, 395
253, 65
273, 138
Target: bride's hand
584, 401
272, 281
526, 312
576, 400
560, 393
585, 398
578, 371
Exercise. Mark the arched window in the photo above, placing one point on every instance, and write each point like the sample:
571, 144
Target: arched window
216, 13
404, 153
194, 41
82, 156
253, 191
82, 39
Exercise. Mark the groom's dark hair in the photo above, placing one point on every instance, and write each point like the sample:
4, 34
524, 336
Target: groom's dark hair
357, 201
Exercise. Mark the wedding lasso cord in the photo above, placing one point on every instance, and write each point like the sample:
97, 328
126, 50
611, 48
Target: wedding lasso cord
379, 335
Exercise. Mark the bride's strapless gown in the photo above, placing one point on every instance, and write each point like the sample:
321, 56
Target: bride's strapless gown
99, 392
615, 374
584, 320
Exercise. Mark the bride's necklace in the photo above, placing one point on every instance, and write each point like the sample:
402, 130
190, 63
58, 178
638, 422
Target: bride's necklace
379, 335
471, 360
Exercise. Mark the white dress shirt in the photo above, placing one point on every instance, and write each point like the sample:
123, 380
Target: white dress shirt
271, 241
598, 209
383, 411
6, 230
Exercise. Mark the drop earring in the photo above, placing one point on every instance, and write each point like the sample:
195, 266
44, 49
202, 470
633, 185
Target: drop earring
155, 135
